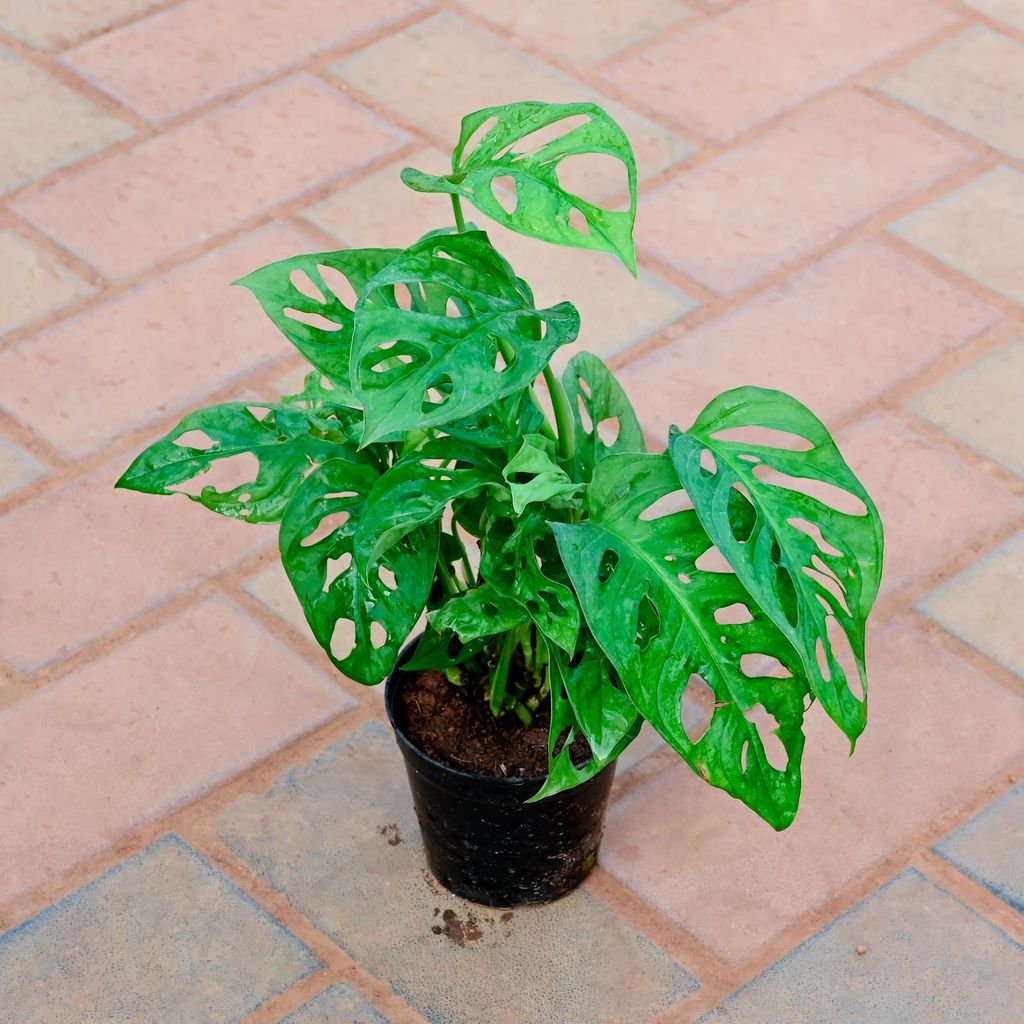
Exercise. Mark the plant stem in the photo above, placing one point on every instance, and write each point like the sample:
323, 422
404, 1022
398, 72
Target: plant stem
500, 677
466, 567
564, 422
451, 588
460, 223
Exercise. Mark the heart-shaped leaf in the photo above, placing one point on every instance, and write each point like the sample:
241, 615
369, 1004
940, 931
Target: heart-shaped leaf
518, 558
534, 476
481, 612
285, 441
541, 206
604, 713
661, 620
812, 563
316, 540
470, 337
417, 489
563, 773
599, 406
314, 318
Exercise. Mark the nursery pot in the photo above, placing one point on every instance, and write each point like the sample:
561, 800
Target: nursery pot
483, 841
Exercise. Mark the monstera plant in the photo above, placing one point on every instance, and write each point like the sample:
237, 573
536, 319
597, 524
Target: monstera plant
607, 582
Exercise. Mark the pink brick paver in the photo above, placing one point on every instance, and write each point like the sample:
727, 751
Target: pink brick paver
727, 74
147, 203
191, 798
755, 208
201, 48
728, 879
155, 350
158, 720
83, 559
834, 335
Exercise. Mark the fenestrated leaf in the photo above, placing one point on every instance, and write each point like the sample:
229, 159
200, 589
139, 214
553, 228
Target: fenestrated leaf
653, 611
511, 560
417, 489
545, 478
384, 607
604, 714
563, 773
324, 334
481, 612
809, 563
442, 360
593, 390
542, 207
286, 442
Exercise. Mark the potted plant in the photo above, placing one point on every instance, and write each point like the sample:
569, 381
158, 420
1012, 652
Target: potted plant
743, 558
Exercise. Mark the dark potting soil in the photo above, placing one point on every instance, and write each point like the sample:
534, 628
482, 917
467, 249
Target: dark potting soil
454, 725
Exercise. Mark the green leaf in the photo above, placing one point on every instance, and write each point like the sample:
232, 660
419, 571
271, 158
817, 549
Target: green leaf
813, 565
316, 540
598, 401
286, 442
517, 558
416, 490
656, 616
563, 774
546, 480
481, 612
470, 337
605, 715
324, 332
542, 208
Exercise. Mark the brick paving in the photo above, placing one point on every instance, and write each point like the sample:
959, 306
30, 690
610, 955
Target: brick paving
832, 202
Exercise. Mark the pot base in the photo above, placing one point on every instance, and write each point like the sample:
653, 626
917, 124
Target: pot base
482, 840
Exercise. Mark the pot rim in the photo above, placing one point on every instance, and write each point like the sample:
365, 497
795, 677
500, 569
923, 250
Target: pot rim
390, 685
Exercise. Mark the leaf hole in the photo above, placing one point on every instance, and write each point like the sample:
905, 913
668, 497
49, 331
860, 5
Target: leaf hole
648, 622
378, 635
668, 504
815, 534
387, 577
403, 296
302, 282
335, 567
733, 614
533, 142
696, 708
343, 639
317, 320
757, 666
713, 561
594, 177
708, 465
503, 189
451, 308
767, 732
578, 222
478, 135
500, 363
608, 430
764, 437
197, 439
609, 562
585, 420
828, 582
330, 522
339, 285
223, 475
828, 494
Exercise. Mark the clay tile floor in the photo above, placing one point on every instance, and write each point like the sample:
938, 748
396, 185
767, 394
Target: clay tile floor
200, 821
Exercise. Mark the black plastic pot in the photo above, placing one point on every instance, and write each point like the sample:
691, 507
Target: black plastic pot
484, 842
